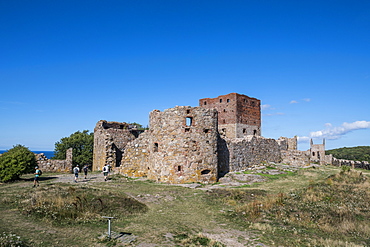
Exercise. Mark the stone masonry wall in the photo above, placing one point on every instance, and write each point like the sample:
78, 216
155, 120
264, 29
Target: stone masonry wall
351, 163
183, 145
251, 150
291, 142
49, 165
135, 160
110, 140
295, 157
238, 114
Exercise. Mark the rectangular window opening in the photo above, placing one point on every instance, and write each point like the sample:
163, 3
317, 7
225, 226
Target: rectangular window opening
156, 147
189, 121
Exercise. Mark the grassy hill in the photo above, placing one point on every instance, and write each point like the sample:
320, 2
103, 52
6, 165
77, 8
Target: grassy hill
360, 153
316, 206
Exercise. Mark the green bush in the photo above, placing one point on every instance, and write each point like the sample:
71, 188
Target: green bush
15, 162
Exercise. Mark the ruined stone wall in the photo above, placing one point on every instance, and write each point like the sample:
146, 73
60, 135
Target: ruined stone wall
135, 160
110, 140
295, 157
238, 115
290, 142
251, 150
317, 152
49, 165
183, 145
351, 163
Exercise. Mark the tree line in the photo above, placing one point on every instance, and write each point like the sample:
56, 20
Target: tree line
360, 153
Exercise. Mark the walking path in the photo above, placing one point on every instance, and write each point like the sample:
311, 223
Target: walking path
69, 178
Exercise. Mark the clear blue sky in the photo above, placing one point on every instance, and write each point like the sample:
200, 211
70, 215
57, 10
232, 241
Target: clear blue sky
65, 65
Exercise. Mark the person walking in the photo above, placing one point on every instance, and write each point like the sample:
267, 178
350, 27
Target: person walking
36, 178
76, 170
105, 172
86, 169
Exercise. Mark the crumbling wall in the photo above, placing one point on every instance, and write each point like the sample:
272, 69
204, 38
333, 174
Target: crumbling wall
295, 157
49, 165
252, 150
291, 143
110, 140
135, 160
351, 163
317, 153
182, 146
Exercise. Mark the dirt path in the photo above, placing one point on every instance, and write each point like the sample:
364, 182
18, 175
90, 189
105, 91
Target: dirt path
69, 178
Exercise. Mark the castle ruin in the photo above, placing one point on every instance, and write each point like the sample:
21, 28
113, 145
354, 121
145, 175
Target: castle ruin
196, 144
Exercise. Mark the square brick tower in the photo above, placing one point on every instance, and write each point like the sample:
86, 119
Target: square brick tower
238, 114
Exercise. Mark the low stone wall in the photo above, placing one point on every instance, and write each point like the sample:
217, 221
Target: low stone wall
351, 163
252, 150
49, 165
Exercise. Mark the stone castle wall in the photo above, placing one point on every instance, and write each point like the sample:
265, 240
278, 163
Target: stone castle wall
351, 163
180, 147
49, 165
135, 160
295, 157
110, 140
251, 150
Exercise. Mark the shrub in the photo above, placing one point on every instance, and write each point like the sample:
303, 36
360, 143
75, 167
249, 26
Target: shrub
15, 162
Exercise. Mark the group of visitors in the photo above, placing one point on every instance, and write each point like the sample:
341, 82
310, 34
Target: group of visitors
76, 171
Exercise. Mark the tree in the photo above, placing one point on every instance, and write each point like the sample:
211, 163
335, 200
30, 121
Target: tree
139, 126
82, 144
15, 162
360, 153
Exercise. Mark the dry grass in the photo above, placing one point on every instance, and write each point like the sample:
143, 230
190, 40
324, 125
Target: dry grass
314, 207
58, 204
337, 206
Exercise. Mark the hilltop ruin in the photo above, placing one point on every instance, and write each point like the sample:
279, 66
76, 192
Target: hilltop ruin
197, 144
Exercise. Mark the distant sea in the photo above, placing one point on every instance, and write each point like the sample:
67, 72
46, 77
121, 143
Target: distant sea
48, 154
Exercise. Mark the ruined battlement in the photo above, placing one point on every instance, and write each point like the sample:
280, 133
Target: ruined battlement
110, 140
188, 144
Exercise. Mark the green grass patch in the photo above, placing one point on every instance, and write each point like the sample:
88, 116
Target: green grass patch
277, 176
